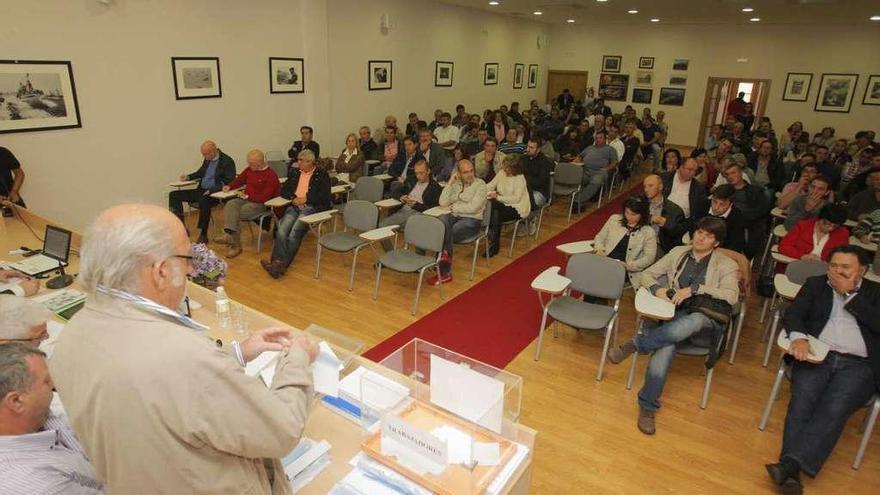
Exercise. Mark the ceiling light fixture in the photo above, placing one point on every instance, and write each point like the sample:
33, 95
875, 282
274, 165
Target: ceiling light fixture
633, 11
602, 1
571, 21
494, 3
874, 18
755, 19
537, 12
748, 9
655, 20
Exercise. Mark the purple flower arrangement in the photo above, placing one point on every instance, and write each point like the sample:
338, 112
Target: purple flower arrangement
209, 270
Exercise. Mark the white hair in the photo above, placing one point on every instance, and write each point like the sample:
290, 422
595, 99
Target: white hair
114, 250
18, 316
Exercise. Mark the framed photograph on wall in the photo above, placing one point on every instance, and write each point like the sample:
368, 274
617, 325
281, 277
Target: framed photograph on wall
642, 95
681, 64
533, 76
646, 62
613, 87
644, 78
518, 70
443, 74
196, 77
671, 96
37, 96
379, 75
678, 80
286, 75
797, 86
836, 92
611, 63
490, 73
872, 91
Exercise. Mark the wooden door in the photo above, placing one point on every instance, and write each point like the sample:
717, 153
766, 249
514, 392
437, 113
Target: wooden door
714, 106
575, 81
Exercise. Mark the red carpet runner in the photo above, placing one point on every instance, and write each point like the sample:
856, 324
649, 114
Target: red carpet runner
497, 318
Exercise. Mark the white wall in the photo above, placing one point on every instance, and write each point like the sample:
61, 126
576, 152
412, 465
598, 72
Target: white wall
772, 52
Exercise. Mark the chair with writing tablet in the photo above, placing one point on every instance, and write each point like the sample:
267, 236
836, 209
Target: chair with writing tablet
359, 216
745, 287
368, 188
786, 287
567, 182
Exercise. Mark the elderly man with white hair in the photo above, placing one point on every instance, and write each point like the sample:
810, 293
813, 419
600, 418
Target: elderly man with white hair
158, 406
260, 184
22, 320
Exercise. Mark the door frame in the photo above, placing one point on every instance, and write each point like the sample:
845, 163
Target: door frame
758, 109
563, 72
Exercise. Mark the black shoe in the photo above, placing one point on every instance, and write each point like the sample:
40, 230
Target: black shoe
622, 352
783, 471
791, 486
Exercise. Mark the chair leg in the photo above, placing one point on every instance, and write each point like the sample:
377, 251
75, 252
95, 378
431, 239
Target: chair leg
541, 333
418, 291
540, 217
866, 436
601, 193
769, 306
739, 327
488, 259
439, 286
609, 329
764, 310
513, 240
318, 261
632, 367
771, 338
354, 261
774, 392
706, 388
474, 261
570, 206
378, 276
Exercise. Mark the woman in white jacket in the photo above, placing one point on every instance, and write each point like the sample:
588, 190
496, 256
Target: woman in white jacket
510, 199
629, 238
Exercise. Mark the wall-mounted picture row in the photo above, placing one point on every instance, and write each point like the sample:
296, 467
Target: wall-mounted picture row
671, 96
642, 95
379, 74
490, 73
196, 77
533, 75
37, 96
443, 74
872, 91
518, 70
286, 75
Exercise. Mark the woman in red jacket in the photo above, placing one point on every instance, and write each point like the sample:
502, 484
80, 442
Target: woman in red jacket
814, 238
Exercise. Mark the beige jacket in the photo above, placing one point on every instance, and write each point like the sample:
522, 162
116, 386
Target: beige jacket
481, 166
160, 409
641, 250
722, 274
512, 191
465, 201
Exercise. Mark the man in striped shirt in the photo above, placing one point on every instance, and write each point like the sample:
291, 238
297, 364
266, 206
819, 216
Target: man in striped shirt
39, 452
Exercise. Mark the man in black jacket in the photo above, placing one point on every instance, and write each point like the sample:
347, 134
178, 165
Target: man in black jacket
752, 202
308, 188
667, 219
419, 192
217, 170
689, 194
722, 207
306, 143
841, 309
537, 169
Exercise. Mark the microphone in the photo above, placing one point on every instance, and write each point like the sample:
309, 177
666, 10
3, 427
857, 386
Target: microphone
62, 280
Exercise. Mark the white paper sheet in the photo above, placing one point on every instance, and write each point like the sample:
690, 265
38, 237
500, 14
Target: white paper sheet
383, 393
458, 444
257, 364
470, 394
325, 371
487, 454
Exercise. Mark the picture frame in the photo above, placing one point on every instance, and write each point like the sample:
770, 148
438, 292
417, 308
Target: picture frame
797, 86
38, 95
490, 73
443, 72
836, 92
379, 75
678, 80
681, 64
644, 78
613, 87
872, 91
286, 75
196, 77
642, 95
533, 76
611, 63
646, 62
671, 96
518, 73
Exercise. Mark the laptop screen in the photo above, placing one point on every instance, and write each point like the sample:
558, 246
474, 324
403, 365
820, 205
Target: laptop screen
57, 243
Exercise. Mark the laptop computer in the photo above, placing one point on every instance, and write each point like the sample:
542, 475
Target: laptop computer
56, 249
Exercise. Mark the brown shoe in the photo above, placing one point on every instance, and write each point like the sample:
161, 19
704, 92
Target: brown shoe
234, 250
266, 264
276, 269
646, 422
618, 354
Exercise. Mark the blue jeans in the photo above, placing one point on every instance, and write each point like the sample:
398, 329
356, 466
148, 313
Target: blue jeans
458, 229
289, 234
662, 341
592, 181
823, 397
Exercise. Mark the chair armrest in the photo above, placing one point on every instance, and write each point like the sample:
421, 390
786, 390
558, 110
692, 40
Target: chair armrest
380, 233
383, 177
277, 202
779, 257
551, 282
579, 247
785, 287
226, 194
778, 212
436, 211
320, 217
387, 203
653, 307
340, 188
183, 183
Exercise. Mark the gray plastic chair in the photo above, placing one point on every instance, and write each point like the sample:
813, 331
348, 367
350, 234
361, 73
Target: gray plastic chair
592, 275
540, 212
279, 166
568, 177
359, 216
871, 414
423, 232
517, 224
263, 227
368, 189
480, 236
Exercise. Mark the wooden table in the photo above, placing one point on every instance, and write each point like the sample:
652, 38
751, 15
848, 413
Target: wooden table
343, 434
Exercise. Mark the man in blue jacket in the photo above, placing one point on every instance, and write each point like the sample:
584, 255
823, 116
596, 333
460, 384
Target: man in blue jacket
217, 170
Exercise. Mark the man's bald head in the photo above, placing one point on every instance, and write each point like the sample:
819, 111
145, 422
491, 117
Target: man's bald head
256, 159
653, 186
209, 150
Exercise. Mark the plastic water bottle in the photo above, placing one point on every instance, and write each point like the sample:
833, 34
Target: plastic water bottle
224, 316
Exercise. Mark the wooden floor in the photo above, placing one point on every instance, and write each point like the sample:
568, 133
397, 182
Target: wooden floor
587, 441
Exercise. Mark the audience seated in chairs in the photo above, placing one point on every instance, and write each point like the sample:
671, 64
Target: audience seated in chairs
389, 147
464, 197
260, 185
598, 160
808, 205
631, 145
308, 188
841, 309
689, 194
867, 230
511, 144
752, 202
814, 238
629, 238
446, 133
653, 136
402, 166
672, 160
768, 170
667, 219
305, 143
689, 271
419, 192
867, 200
537, 169
569, 145
510, 198
798, 188
458, 154
432, 152
707, 172
488, 162
39, 451
351, 160
217, 170
721, 206
365, 142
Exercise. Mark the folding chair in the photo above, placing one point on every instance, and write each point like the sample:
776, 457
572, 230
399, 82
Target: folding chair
745, 286
368, 188
541, 209
360, 216
568, 177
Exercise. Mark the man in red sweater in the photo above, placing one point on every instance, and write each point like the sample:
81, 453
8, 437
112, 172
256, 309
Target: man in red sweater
260, 185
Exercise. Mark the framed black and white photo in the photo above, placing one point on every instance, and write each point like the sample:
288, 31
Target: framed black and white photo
642, 95
836, 92
533, 76
196, 77
646, 62
379, 74
37, 96
797, 86
611, 63
443, 74
286, 75
872, 91
671, 96
518, 70
644, 78
613, 87
680, 64
490, 73
678, 80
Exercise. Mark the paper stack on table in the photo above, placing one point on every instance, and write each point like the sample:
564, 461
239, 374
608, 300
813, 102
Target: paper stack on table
306, 461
